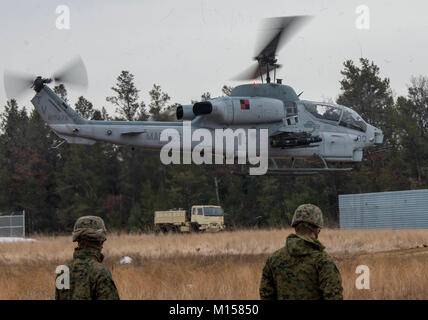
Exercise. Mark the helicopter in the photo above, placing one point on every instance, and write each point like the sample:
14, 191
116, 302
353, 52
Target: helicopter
269, 112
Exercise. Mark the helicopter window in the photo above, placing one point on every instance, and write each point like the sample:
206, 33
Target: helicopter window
352, 121
291, 107
325, 112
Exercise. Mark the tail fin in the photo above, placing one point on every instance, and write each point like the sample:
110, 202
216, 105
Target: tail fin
53, 109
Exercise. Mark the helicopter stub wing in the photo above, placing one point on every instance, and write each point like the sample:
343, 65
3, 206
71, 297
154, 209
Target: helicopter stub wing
130, 132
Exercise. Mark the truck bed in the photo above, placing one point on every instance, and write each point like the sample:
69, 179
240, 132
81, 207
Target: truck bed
176, 217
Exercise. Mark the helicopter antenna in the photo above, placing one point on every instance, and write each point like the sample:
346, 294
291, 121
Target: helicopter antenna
261, 74
267, 74
274, 74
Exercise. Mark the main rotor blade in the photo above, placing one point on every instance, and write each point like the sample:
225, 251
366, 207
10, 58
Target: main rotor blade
277, 31
254, 72
74, 73
16, 83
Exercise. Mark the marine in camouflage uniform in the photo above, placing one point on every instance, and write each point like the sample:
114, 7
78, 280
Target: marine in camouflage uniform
89, 278
302, 270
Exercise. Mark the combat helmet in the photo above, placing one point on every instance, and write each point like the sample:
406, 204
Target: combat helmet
90, 228
308, 213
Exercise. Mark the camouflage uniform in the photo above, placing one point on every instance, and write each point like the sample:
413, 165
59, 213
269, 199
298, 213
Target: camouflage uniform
89, 278
301, 270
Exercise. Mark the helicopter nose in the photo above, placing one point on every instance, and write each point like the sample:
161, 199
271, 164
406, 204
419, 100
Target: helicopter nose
378, 137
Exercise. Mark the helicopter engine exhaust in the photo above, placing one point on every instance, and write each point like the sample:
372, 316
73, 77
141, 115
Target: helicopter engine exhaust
185, 112
201, 108
189, 112
235, 111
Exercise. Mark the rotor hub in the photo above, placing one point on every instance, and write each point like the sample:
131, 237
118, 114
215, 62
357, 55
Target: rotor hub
39, 83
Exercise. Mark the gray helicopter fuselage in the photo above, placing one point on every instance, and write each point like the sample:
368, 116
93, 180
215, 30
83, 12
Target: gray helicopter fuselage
334, 132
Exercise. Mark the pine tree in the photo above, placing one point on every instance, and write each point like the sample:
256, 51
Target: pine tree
365, 92
126, 98
226, 90
84, 108
158, 103
61, 91
412, 121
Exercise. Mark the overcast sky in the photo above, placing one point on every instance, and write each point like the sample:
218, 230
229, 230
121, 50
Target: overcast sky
193, 46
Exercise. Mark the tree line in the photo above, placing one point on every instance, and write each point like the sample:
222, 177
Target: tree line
125, 185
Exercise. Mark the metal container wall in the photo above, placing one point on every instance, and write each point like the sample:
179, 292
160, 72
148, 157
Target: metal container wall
384, 210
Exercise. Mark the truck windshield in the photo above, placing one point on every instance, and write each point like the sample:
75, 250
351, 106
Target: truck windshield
213, 211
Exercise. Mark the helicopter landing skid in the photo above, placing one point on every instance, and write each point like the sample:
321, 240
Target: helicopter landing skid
303, 171
276, 171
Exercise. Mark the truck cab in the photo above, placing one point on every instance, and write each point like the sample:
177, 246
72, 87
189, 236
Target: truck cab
207, 217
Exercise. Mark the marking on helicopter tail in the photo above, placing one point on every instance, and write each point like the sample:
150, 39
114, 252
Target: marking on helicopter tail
153, 135
54, 105
245, 104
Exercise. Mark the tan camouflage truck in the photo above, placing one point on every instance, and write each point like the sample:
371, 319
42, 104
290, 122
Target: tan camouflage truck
207, 218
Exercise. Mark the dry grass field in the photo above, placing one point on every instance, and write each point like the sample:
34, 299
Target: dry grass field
225, 265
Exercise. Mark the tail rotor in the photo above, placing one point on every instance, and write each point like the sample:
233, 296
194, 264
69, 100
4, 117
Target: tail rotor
72, 74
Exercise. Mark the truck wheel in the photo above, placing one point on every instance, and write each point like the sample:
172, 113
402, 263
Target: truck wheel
170, 229
194, 227
164, 230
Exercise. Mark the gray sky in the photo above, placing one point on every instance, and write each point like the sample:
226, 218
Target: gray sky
193, 46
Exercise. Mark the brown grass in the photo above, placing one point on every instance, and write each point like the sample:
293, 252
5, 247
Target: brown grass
225, 265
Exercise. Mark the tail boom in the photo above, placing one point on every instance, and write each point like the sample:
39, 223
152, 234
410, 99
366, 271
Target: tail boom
53, 109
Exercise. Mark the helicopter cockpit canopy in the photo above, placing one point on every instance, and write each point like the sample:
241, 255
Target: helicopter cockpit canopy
324, 111
345, 116
352, 120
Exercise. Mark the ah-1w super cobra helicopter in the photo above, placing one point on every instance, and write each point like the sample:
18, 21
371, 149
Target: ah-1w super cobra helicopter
296, 128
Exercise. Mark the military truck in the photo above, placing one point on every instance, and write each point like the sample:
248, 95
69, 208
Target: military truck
200, 218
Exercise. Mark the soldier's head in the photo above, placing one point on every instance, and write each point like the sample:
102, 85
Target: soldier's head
307, 220
89, 231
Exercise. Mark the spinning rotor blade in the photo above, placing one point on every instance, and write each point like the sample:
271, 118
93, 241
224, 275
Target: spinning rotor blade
16, 83
74, 73
277, 32
254, 72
